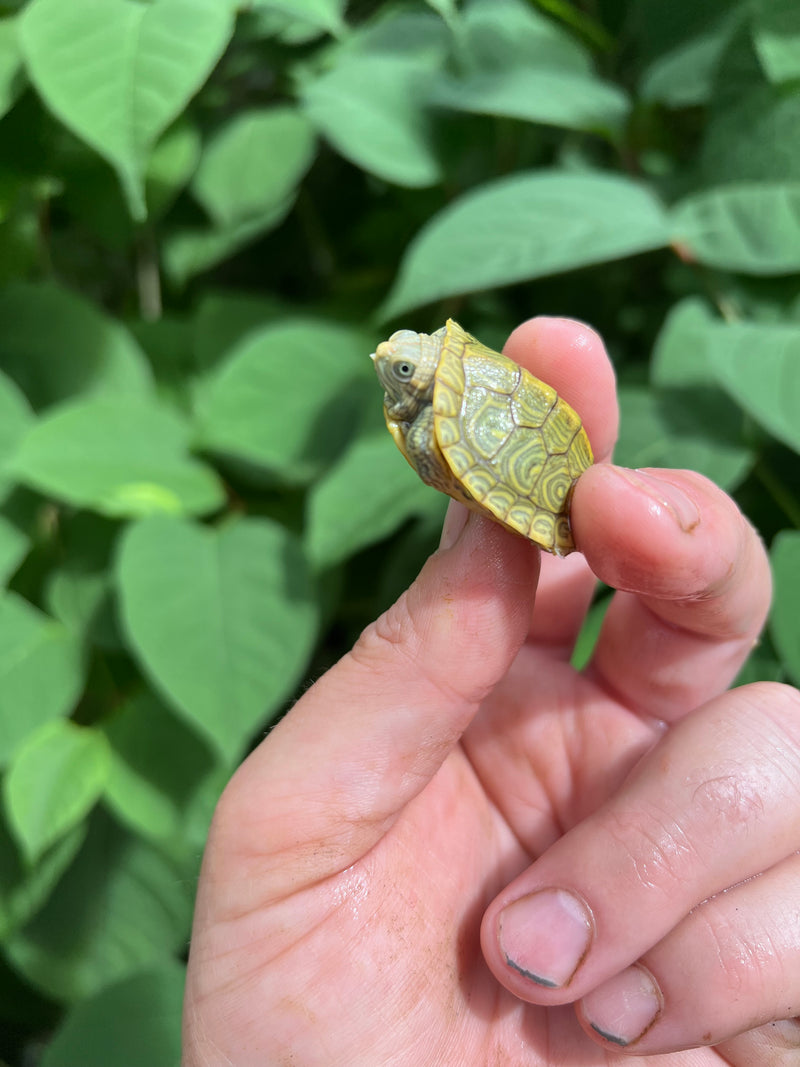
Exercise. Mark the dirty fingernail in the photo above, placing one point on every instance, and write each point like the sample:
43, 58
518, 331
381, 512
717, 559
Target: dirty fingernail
545, 936
625, 1007
664, 496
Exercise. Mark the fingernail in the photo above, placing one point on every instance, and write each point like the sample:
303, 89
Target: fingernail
624, 1008
665, 496
546, 936
454, 522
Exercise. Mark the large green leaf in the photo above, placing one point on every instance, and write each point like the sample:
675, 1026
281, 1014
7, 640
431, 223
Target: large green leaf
371, 109
500, 34
253, 163
121, 458
363, 498
41, 671
285, 398
118, 72
121, 907
134, 1022
784, 619
56, 345
16, 418
526, 226
324, 14
53, 781
25, 887
776, 36
147, 789
222, 620
12, 75
759, 366
683, 428
753, 227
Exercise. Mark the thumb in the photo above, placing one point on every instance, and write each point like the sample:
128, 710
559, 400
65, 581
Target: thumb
330, 779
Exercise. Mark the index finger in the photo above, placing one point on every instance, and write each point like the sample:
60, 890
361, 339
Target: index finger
571, 357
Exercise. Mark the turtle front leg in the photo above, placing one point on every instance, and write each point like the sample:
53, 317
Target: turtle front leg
423, 453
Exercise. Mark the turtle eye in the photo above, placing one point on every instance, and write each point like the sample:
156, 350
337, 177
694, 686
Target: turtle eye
403, 370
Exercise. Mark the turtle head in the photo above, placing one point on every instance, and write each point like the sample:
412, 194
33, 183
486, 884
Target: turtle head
406, 367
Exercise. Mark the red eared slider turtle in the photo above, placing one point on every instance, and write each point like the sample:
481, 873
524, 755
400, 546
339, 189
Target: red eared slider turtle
478, 427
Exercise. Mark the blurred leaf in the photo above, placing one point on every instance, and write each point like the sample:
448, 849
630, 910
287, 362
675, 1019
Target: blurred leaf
683, 74
753, 228
776, 36
500, 34
131, 1023
750, 132
121, 458
145, 63
13, 547
446, 8
371, 109
53, 781
223, 319
41, 672
784, 620
12, 73
557, 98
55, 345
137, 913
683, 429
222, 620
759, 366
526, 226
147, 789
589, 632
367, 495
324, 14
188, 252
171, 166
16, 418
24, 888
285, 397
253, 163
681, 356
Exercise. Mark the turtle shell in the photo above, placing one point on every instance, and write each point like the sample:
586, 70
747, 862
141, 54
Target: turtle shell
513, 445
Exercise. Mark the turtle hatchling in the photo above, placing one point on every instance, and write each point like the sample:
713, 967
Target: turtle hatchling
476, 426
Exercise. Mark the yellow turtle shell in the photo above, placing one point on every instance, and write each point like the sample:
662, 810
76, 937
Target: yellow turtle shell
511, 445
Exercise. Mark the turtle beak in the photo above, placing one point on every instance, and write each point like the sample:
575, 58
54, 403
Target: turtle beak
372, 356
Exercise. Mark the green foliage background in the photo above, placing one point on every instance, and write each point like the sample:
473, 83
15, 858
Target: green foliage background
210, 212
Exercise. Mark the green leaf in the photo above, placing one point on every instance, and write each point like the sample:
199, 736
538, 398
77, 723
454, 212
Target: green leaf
223, 620
367, 495
500, 34
784, 620
759, 366
12, 74
133, 1022
324, 14
681, 356
16, 418
446, 8
271, 401
41, 671
53, 781
253, 164
121, 458
171, 166
14, 545
118, 72
148, 788
56, 345
753, 227
371, 109
121, 907
682, 428
188, 252
24, 888
776, 36
526, 226
556, 98
223, 319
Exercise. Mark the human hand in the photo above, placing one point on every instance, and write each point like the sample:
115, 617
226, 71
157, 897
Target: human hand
454, 765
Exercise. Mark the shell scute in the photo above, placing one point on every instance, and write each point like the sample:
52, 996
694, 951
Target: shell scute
533, 402
488, 421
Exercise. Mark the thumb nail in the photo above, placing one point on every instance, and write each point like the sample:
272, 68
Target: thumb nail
664, 496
